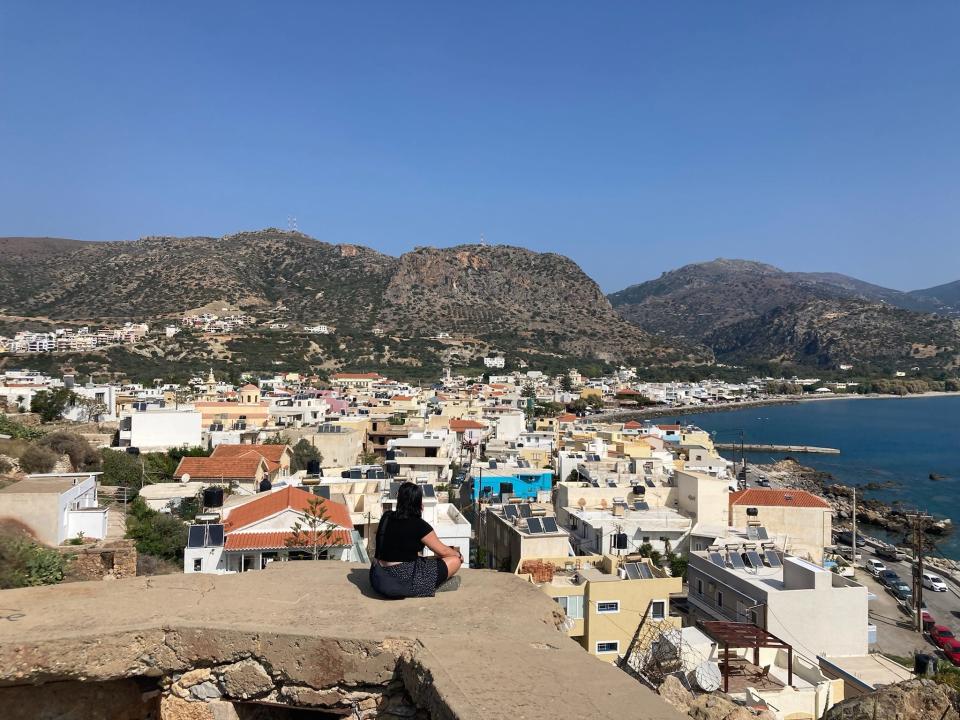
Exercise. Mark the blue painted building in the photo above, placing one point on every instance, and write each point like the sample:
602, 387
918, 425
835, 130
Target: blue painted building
520, 482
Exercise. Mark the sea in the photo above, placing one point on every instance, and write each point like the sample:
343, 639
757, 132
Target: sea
883, 440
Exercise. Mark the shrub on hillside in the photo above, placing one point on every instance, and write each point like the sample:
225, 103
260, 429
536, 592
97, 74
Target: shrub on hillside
25, 563
81, 453
158, 534
38, 459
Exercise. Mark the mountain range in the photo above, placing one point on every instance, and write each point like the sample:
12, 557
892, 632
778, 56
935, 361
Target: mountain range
749, 311
436, 306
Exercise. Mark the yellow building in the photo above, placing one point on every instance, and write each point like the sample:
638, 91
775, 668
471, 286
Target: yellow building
605, 598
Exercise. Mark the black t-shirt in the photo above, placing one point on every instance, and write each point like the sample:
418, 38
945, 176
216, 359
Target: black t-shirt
400, 540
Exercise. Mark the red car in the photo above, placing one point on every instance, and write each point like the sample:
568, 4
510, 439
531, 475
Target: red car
951, 648
940, 635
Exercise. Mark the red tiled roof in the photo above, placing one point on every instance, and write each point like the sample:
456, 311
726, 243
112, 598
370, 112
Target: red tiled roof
278, 539
220, 468
669, 427
764, 497
271, 453
402, 398
567, 417
356, 376
632, 425
458, 425
274, 502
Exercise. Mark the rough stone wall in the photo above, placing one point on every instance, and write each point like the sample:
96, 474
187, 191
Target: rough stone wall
114, 700
109, 560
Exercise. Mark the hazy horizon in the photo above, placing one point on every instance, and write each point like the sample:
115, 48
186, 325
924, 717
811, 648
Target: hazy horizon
632, 138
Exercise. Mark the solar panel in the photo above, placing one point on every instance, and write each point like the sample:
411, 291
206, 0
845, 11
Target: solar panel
214, 535
524, 510
649, 482
773, 560
428, 491
195, 536
645, 572
534, 526
736, 562
633, 571
762, 533
752, 533
611, 483
510, 511
717, 559
594, 483
640, 505
754, 559
549, 524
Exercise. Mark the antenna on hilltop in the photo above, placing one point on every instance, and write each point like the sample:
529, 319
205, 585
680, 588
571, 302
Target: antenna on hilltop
483, 240
291, 223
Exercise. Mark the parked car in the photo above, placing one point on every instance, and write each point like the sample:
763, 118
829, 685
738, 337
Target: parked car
874, 567
902, 592
846, 538
934, 582
889, 552
888, 577
951, 648
940, 635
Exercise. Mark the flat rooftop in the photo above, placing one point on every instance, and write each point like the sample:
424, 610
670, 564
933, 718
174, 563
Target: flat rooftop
54, 484
488, 663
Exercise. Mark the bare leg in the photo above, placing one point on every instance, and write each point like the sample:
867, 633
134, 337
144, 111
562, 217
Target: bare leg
453, 564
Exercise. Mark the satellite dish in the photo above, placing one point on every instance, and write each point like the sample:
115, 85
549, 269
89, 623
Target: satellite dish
707, 676
185, 478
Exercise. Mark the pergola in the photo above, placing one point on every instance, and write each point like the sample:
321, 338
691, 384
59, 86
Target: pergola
745, 635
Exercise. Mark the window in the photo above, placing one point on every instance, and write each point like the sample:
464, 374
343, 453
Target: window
612, 606
719, 599
646, 539
198, 565
699, 586
658, 609
572, 606
611, 646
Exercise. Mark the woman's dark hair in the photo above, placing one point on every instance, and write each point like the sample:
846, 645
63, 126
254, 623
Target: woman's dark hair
409, 501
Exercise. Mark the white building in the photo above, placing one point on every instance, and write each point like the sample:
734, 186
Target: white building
56, 506
153, 427
496, 361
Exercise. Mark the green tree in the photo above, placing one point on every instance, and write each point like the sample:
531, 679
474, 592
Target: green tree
50, 404
595, 401
24, 563
120, 468
314, 532
303, 453
566, 384
678, 565
528, 391
369, 458
156, 534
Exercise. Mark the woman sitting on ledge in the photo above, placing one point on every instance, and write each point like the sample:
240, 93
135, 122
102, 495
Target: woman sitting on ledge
398, 570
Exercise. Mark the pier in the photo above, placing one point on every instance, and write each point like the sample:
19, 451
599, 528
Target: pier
749, 447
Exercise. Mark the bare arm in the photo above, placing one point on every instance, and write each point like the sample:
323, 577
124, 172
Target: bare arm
438, 548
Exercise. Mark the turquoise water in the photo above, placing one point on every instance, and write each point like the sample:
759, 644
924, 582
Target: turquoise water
880, 440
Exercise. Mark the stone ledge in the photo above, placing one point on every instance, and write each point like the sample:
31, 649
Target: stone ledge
490, 650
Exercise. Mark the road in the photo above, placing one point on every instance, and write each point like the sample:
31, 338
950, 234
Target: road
895, 634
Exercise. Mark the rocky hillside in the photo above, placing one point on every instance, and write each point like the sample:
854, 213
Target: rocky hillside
748, 311
827, 333
502, 298
510, 296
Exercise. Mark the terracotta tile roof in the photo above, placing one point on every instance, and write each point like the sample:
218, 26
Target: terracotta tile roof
356, 376
632, 425
459, 425
211, 468
402, 398
567, 417
769, 497
278, 539
250, 387
271, 453
669, 427
274, 502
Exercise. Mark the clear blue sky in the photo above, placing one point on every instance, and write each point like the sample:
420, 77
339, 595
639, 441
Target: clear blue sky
632, 136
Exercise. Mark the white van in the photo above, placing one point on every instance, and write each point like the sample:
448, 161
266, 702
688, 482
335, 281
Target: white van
934, 582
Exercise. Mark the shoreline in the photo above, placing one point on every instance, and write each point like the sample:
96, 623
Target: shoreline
655, 411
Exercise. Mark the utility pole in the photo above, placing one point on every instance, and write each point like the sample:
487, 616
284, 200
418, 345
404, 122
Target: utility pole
919, 540
853, 514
